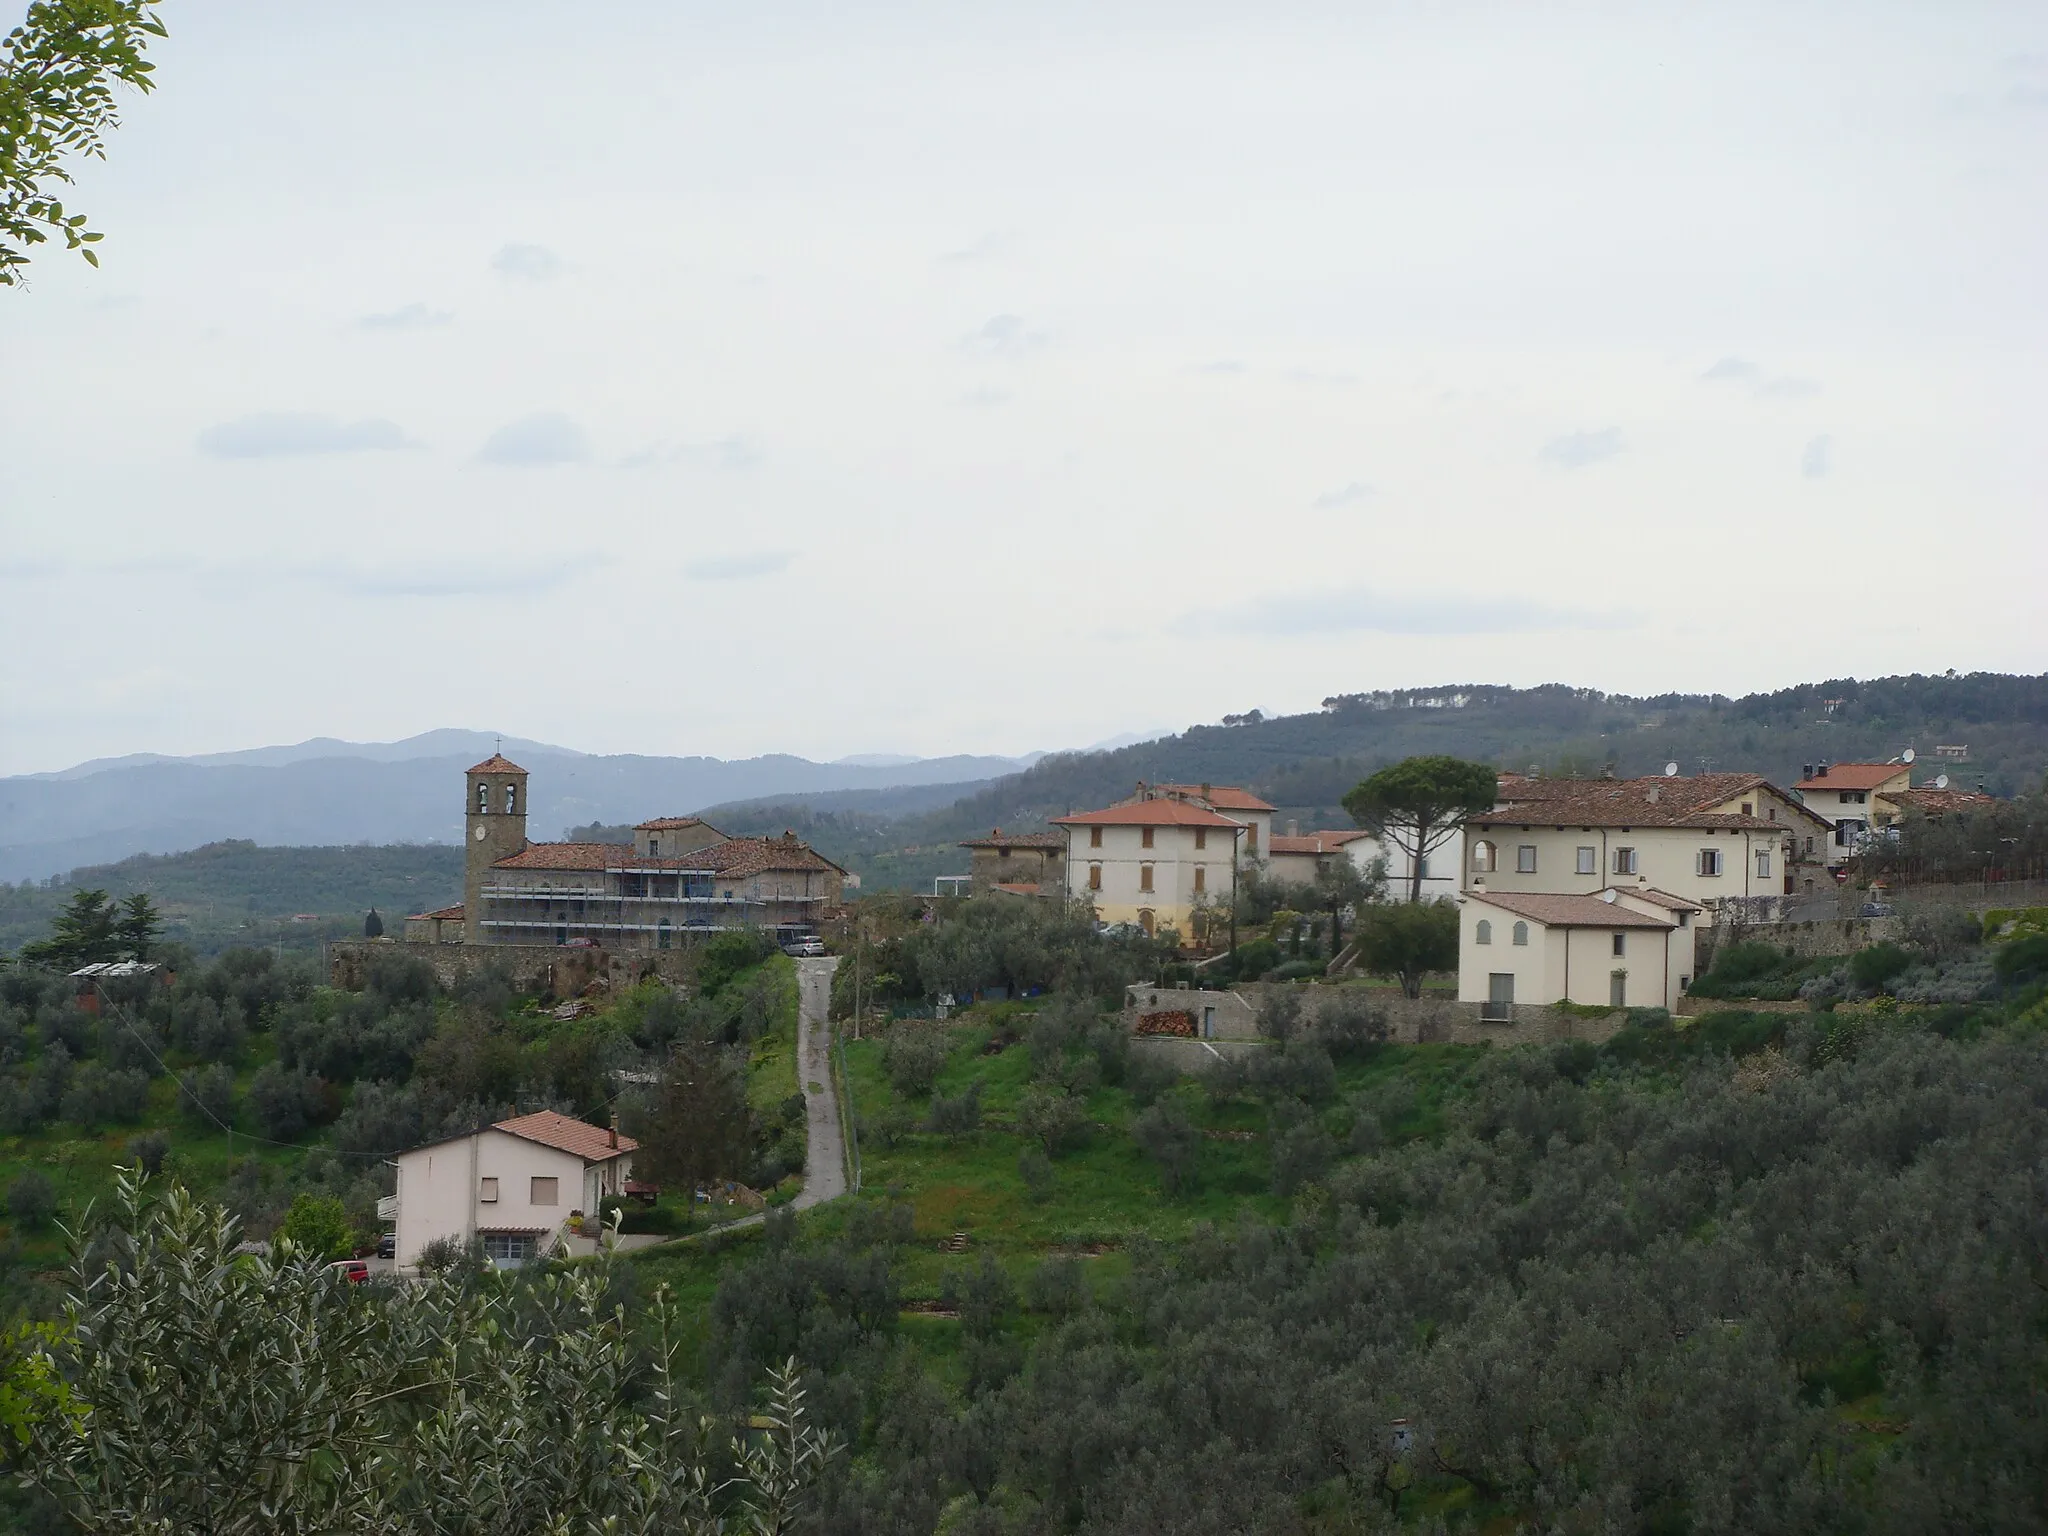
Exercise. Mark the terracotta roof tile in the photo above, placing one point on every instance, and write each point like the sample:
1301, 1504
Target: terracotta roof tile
674, 824
1314, 842
1148, 813
590, 1142
1569, 911
1936, 802
445, 914
497, 762
588, 856
1001, 839
1223, 797
757, 855
1854, 776
1657, 898
1651, 802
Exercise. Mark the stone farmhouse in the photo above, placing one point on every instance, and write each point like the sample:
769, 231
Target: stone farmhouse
678, 876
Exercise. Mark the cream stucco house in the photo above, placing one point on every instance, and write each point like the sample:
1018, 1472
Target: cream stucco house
1153, 861
513, 1185
1852, 798
1295, 856
1703, 838
1622, 947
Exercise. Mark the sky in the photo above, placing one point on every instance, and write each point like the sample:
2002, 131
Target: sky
679, 378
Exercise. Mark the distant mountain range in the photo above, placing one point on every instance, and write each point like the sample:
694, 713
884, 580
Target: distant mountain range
326, 792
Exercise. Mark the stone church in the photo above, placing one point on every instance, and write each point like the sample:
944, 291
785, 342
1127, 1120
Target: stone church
679, 876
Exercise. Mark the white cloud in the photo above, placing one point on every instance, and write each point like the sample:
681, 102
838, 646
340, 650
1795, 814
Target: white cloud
288, 434
528, 263
548, 437
739, 567
1763, 385
1575, 450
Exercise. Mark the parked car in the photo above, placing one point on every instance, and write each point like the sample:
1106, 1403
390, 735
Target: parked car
807, 948
355, 1271
1875, 909
387, 1246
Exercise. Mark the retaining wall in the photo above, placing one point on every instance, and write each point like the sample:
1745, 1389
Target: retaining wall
1807, 940
542, 968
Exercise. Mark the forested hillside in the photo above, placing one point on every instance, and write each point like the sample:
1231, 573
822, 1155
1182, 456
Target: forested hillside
1305, 763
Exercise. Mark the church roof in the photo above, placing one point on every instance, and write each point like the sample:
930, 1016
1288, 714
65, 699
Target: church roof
497, 762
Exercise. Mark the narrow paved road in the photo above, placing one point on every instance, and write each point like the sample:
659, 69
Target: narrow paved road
825, 1162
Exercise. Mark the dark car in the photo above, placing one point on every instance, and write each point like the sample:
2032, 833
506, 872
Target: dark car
387, 1246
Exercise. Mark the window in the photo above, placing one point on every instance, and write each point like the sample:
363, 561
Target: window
508, 1248
1500, 997
1748, 809
1621, 944
1809, 847
1589, 861
1144, 877
545, 1191
1146, 920
1483, 934
1201, 877
1094, 877
654, 847
487, 1191
1522, 934
1624, 861
1482, 855
1525, 859
1095, 837
1770, 813
1145, 838
664, 935
1710, 862
1201, 839
1763, 863
483, 799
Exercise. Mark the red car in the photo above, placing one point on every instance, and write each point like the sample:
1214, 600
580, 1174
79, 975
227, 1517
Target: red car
355, 1271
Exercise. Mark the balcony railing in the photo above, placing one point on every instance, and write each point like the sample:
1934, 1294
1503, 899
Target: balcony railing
387, 1208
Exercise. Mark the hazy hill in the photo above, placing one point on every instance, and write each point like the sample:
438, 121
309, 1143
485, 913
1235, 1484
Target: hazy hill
386, 793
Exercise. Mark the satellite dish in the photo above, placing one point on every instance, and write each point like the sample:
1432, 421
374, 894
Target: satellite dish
1608, 896
1906, 756
1671, 770
1941, 781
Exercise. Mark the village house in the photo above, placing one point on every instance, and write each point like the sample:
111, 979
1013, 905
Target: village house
1622, 947
679, 875
1017, 863
1704, 839
1842, 794
1296, 856
1154, 861
513, 1186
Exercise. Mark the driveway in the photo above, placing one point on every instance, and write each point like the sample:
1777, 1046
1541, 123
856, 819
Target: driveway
825, 1161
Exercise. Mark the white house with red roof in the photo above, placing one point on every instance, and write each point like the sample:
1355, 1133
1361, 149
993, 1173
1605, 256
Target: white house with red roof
512, 1186
1847, 796
1621, 947
1157, 861
1297, 855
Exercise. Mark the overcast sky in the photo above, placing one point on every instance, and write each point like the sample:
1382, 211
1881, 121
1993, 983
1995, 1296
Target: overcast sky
679, 378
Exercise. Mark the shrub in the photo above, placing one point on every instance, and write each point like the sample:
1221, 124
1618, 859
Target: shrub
1251, 959
208, 1099
1166, 1134
1035, 1169
1050, 1117
99, 1094
287, 1103
956, 1116
913, 1056
1874, 969
1349, 1027
1057, 1287
318, 1227
381, 1118
1147, 1077
2022, 960
207, 1030
149, 1150
1301, 1153
32, 1200
726, 956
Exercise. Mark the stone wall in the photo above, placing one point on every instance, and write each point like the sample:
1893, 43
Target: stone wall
1410, 1021
542, 968
1807, 940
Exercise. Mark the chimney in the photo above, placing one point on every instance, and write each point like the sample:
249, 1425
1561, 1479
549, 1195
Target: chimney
1294, 829
613, 1135
1205, 791
1806, 771
1820, 770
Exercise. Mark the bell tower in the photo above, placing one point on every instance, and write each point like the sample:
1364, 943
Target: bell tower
494, 828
